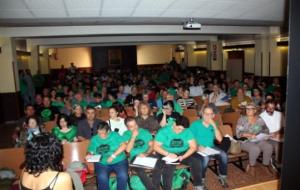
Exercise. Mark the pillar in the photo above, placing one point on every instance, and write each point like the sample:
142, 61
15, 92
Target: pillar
9, 86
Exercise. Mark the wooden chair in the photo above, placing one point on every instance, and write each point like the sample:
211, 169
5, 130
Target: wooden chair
198, 100
192, 118
223, 108
49, 125
130, 111
12, 158
76, 151
190, 112
231, 118
102, 114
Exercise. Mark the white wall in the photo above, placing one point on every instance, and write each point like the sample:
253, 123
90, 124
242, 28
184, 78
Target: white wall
154, 54
80, 56
249, 60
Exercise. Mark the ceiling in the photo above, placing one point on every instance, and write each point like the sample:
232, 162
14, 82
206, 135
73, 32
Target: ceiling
134, 12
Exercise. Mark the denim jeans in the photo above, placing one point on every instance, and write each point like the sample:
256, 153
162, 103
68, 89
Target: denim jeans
222, 158
103, 172
167, 171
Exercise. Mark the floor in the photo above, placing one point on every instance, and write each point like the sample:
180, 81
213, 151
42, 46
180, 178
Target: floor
236, 177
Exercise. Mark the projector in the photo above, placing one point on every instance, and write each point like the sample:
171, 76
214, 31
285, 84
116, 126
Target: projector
191, 25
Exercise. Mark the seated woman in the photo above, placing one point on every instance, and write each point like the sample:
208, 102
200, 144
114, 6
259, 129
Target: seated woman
64, 131
76, 115
115, 122
168, 114
248, 127
240, 100
30, 130
110, 146
145, 120
43, 156
175, 142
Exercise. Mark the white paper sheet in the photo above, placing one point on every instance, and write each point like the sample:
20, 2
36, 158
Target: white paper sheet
208, 152
169, 160
260, 137
94, 158
147, 162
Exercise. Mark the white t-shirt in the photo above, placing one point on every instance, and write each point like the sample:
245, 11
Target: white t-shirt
120, 124
219, 100
273, 122
196, 91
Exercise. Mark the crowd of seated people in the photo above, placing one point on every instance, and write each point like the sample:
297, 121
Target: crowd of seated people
157, 126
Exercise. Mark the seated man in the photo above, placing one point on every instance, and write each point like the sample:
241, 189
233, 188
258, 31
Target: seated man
206, 132
273, 120
48, 112
186, 102
217, 97
88, 127
175, 142
139, 143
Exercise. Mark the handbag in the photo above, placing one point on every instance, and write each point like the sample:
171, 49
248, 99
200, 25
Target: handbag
235, 147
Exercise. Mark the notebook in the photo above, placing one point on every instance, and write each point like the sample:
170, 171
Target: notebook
94, 158
208, 152
144, 162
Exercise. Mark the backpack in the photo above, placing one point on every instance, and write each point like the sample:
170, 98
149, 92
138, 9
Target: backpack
136, 183
113, 183
180, 179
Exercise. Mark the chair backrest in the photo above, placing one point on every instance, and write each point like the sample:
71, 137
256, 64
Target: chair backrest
130, 111
75, 151
192, 118
190, 112
198, 100
102, 114
223, 108
231, 118
49, 125
226, 130
12, 158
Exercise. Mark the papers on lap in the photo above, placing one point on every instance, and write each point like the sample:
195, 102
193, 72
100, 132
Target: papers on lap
169, 160
144, 162
260, 137
208, 152
94, 158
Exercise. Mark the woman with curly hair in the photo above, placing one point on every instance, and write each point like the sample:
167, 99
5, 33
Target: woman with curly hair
42, 166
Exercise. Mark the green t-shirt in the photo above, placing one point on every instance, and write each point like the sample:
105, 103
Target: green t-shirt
173, 142
106, 147
204, 136
141, 143
69, 136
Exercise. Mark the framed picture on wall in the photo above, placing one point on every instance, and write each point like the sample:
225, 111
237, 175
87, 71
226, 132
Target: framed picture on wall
114, 56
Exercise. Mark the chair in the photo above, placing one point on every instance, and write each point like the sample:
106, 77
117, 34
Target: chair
231, 118
192, 118
190, 112
12, 158
102, 114
76, 151
198, 100
49, 125
223, 108
130, 111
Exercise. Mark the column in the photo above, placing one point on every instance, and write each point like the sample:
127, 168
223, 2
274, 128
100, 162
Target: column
215, 55
33, 62
9, 86
44, 60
